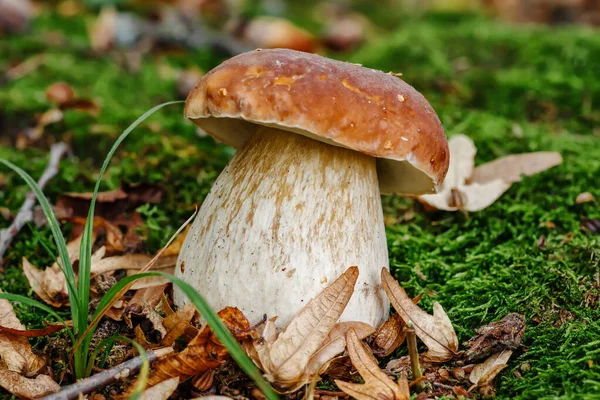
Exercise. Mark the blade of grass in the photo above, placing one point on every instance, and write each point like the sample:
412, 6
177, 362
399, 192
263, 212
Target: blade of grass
86, 246
65, 263
86, 242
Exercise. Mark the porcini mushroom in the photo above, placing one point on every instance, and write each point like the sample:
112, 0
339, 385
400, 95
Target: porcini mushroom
300, 202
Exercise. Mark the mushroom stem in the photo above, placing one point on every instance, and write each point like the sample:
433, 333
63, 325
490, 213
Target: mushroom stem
286, 217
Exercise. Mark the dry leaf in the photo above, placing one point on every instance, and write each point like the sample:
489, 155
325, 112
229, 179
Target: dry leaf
483, 374
390, 335
584, 198
335, 343
15, 351
27, 388
510, 168
48, 330
176, 324
271, 32
162, 391
435, 331
285, 360
377, 386
60, 93
204, 352
469, 189
50, 284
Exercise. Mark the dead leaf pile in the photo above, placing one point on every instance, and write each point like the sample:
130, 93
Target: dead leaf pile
20, 367
51, 286
473, 189
446, 370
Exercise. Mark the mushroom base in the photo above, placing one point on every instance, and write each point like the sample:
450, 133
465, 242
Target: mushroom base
285, 218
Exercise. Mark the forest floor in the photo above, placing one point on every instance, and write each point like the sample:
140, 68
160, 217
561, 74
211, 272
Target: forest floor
511, 89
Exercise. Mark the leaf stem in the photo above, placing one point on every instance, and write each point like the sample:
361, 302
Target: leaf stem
413, 354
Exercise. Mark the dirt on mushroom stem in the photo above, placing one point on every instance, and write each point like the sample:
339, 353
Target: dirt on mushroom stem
287, 216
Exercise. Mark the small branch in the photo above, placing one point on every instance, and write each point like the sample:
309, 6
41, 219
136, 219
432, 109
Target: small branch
57, 151
102, 379
413, 353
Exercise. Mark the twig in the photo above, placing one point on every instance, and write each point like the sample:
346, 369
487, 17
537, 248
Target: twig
413, 353
57, 151
100, 380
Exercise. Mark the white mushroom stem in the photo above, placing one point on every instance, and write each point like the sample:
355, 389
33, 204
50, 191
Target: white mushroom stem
286, 217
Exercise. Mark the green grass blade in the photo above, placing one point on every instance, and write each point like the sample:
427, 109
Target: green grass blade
142, 380
65, 262
215, 323
41, 306
86, 245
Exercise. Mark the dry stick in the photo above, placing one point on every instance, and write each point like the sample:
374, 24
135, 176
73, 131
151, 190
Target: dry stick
57, 151
413, 353
102, 379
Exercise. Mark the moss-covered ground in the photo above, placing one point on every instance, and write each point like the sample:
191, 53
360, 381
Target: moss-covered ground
511, 89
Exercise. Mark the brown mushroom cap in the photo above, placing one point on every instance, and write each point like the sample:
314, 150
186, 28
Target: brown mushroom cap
335, 102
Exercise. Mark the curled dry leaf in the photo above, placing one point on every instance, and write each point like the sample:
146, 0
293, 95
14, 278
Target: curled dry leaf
15, 351
176, 324
50, 284
27, 388
204, 352
377, 386
162, 391
483, 374
435, 331
473, 189
390, 335
335, 343
285, 360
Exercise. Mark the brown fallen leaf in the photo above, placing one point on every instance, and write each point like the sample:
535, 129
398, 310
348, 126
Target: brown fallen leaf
161, 391
271, 32
204, 352
473, 189
110, 205
495, 337
483, 374
284, 361
176, 324
377, 386
435, 331
27, 388
390, 335
584, 197
15, 351
335, 343
511, 168
48, 330
50, 284
60, 93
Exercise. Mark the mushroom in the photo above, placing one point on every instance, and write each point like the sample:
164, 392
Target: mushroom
300, 201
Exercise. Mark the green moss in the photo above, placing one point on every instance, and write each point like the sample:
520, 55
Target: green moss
485, 79
487, 264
